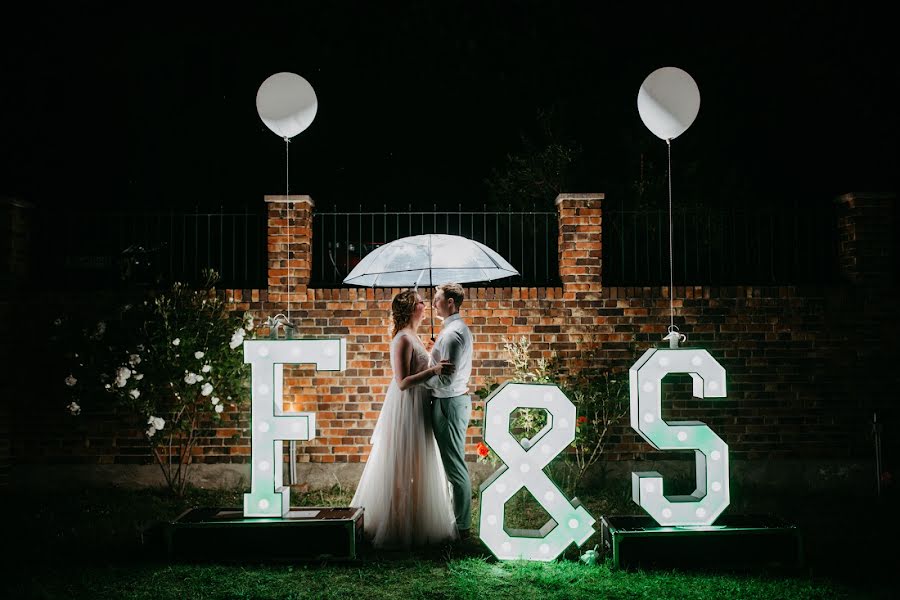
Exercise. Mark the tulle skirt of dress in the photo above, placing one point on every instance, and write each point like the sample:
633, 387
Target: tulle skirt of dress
403, 487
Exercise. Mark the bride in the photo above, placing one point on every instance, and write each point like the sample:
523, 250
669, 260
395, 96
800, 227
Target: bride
403, 487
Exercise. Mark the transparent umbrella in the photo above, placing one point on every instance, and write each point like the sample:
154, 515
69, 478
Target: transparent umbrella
431, 260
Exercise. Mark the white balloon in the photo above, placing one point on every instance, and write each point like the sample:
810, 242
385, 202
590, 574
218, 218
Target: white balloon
668, 102
286, 103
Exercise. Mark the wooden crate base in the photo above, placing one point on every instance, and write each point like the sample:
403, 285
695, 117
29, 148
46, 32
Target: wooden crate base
739, 542
306, 533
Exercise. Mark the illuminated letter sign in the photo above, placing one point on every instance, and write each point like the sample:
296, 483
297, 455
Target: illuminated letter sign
711, 495
268, 496
524, 468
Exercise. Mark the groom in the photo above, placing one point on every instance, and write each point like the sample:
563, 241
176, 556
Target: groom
452, 405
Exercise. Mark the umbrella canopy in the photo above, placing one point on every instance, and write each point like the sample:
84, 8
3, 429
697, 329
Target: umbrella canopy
429, 260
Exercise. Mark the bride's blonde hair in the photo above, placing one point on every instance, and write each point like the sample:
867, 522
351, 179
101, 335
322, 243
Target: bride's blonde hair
402, 308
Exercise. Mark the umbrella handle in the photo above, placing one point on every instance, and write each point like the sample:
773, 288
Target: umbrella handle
430, 289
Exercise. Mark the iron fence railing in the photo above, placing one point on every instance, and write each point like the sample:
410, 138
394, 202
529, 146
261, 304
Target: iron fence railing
105, 250
528, 240
731, 246
711, 246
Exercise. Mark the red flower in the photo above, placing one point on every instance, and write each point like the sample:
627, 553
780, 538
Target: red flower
482, 449
582, 420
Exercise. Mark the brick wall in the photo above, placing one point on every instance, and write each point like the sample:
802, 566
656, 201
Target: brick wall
807, 366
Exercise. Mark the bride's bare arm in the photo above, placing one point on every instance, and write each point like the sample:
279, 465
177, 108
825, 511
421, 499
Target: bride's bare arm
402, 351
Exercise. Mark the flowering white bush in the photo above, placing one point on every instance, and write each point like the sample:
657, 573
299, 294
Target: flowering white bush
162, 360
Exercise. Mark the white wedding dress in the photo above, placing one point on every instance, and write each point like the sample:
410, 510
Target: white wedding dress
403, 487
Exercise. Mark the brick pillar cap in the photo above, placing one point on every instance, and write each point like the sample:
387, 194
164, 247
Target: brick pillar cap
18, 202
869, 195
291, 198
596, 196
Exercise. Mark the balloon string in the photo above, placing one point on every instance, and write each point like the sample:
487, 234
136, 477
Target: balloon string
671, 264
287, 197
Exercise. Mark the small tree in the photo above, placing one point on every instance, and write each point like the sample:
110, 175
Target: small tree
539, 170
601, 398
171, 362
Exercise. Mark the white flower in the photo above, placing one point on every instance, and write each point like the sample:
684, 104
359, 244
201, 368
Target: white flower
156, 422
101, 329
70, 381
199, 377
138, 376
219, 408
150, 432
73, 407
249, 325
198, 354
176, 341
206, 368
122, 375
207, 389
134, 359
237, 338
107, 386
215, 400
134, 393
57, 321
191, 378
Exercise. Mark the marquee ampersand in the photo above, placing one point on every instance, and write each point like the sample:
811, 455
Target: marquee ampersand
522, 467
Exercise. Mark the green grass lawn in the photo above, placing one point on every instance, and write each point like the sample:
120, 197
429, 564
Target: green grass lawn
105, 544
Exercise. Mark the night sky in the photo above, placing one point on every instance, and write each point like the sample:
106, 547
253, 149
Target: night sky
420, 102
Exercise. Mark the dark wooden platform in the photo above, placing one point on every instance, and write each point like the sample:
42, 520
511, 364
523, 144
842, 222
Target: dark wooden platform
305, 533
738, 542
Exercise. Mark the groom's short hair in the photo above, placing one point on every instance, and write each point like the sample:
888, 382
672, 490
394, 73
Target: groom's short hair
454, 291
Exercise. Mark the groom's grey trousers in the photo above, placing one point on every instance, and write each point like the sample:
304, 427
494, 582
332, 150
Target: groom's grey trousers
450, 419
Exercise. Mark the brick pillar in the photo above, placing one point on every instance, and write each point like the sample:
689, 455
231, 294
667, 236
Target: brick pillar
16, 223
866, 237
289, 228
580, 246
15, 234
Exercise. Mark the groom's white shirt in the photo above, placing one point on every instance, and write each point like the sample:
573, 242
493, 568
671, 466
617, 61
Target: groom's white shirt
454, 344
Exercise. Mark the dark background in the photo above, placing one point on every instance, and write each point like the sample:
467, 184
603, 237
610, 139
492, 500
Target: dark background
419, 103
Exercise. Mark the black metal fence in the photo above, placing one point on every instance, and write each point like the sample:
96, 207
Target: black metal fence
106, 250
730, 246
711, 246
528, 240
